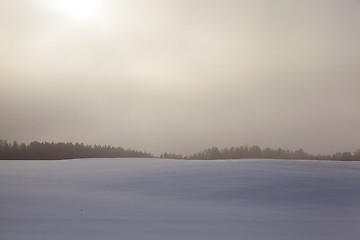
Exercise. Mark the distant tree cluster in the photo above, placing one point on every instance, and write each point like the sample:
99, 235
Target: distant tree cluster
172, 156
256, 152
61, 150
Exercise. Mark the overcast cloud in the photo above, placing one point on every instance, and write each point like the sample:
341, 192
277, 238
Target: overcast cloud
180, 76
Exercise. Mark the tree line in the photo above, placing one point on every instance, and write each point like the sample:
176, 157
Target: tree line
62, 150
270, 153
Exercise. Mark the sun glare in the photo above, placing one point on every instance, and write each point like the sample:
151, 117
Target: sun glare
80, 10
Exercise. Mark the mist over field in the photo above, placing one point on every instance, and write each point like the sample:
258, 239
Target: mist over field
181, 76
130, 86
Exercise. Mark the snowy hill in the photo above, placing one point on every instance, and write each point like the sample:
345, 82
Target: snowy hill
145, 199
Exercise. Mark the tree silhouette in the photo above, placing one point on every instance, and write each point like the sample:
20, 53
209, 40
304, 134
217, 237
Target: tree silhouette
61, 150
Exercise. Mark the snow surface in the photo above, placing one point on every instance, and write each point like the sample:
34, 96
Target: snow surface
161, 199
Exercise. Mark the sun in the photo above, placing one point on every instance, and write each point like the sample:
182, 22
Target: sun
81, 11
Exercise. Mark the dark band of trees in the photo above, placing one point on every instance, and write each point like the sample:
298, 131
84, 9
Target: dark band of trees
269, 153
60, 150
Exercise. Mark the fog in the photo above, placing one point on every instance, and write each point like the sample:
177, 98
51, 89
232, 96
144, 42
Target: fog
180, 76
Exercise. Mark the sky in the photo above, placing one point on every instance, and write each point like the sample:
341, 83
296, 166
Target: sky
182, 75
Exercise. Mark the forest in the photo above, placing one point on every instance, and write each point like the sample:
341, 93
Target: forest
270, 153
61, 150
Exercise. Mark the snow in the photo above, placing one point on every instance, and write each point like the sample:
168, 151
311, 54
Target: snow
162, 199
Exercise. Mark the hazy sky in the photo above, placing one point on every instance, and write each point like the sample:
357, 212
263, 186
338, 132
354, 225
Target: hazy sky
182, 75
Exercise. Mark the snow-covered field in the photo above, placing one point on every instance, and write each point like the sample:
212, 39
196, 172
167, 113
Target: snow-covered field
157, 199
